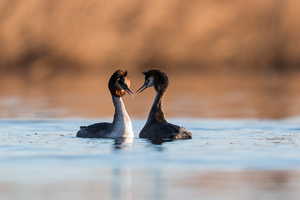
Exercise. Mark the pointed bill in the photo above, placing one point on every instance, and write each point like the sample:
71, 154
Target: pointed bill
128, 90
142, 88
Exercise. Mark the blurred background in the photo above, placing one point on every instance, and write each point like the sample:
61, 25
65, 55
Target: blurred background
224, 59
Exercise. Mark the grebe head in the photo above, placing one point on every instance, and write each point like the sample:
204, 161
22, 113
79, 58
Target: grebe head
156, 78
119, 84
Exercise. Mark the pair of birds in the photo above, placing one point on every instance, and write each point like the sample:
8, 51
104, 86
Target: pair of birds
156, 126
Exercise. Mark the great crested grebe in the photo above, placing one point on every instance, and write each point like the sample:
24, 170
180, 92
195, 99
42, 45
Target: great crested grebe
121, 126
157, 125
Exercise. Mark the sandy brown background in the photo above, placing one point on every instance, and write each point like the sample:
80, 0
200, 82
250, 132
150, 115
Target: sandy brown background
224, 58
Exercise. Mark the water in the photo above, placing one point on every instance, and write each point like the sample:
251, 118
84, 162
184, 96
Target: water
235, 153
226, 159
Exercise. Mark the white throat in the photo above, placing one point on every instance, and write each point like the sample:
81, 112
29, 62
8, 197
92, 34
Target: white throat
150, 83
121, 126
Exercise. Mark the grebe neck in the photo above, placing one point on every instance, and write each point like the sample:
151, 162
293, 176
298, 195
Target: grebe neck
121, 125
156, 113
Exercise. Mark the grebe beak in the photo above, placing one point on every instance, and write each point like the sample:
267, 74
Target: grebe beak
142, 88
125, 87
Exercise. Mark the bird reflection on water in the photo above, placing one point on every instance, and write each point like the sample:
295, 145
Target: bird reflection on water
124, 186
126, 143
122, 143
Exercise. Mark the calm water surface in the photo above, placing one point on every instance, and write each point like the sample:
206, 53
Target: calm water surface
240, 156
226, 159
